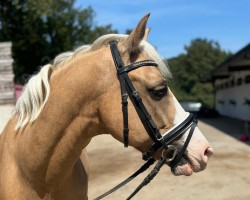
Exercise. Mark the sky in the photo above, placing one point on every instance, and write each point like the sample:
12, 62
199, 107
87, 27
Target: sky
174, 23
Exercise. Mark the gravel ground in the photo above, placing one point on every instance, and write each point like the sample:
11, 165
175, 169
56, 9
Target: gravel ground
227, 176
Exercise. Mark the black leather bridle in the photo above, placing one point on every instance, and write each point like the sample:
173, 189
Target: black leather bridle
161, 142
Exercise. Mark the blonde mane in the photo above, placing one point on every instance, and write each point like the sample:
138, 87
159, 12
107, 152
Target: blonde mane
37, 90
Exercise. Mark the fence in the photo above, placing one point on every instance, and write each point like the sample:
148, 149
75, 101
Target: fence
7, 91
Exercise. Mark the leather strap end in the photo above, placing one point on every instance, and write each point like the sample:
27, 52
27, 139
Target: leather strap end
125, 135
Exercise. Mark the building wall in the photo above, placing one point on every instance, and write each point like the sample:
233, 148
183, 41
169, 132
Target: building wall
232, 97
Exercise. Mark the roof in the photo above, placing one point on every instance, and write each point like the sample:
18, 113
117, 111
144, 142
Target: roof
237, 62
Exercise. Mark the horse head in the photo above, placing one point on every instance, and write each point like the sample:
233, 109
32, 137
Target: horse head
151, 83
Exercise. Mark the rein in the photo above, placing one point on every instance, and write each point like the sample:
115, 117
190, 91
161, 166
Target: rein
161, 142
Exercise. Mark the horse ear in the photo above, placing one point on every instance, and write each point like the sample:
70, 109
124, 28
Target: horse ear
145, 37
136, 36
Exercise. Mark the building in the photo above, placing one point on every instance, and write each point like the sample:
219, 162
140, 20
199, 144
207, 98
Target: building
232, 85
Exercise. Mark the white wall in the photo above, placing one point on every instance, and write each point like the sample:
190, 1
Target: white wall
235, 93
5, 114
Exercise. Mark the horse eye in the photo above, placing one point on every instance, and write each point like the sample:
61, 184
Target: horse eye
159, 92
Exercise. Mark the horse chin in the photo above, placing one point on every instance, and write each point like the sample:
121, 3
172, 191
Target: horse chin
183, 168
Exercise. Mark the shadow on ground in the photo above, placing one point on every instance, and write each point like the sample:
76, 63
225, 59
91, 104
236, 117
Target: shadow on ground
234, 127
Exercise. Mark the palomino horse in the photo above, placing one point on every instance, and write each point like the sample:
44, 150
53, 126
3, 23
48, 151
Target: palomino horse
42, 148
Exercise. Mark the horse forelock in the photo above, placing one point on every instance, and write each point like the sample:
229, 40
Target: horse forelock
152, 53
37, 90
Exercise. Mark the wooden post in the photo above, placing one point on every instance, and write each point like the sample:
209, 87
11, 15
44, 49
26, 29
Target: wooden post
7, 91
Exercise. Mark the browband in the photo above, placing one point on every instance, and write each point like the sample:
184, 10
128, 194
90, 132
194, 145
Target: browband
136, 65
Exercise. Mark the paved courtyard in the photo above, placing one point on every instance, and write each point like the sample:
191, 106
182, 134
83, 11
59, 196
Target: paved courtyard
227, 176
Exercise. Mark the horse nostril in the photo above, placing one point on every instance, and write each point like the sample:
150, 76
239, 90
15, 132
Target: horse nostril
209, 152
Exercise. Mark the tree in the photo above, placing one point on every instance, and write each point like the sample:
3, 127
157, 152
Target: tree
192, 70
39, 30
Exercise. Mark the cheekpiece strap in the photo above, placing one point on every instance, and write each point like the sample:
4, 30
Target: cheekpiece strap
127, 89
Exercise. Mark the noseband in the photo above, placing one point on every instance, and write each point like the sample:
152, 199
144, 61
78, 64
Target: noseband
161, 142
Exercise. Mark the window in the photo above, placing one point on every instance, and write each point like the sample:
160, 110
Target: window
232, 83
226, 84
221, 102
247, 79
239, 81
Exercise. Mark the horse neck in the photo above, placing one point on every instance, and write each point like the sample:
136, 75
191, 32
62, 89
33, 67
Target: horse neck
67, 122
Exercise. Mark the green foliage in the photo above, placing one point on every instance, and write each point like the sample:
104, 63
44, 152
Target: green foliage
192, 71
40, 30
